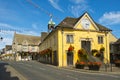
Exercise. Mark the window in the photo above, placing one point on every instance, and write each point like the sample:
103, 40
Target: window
69, 38
33, 48
100, 39
25, 48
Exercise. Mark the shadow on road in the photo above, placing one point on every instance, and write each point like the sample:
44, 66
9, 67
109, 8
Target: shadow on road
4, 75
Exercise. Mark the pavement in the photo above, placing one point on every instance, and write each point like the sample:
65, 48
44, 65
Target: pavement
109, 69
9, 73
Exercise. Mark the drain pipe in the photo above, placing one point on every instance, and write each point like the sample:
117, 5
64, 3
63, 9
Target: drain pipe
62, 49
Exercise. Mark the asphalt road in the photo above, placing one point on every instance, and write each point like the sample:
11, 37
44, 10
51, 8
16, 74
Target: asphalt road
9, 73
33, 70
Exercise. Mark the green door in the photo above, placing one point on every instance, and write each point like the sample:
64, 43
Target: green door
86, 45
70, 58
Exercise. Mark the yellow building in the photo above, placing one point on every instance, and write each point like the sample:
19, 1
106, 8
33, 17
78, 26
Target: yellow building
60, 47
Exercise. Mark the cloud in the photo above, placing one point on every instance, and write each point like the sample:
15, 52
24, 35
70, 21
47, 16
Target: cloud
78, 1
9, 28
33, 33
110, 18
34, 25
7, 32
78, 7
7, 38
76, 10
54, 3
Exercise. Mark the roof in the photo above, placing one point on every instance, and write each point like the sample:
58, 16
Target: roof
32, 40
8, 47
70, 22
117, 42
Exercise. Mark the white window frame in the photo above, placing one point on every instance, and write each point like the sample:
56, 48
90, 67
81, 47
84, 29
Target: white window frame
100, 39
69, 38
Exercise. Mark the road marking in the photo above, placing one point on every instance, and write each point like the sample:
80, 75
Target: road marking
20, 63
111, 75
42, 68
74, 78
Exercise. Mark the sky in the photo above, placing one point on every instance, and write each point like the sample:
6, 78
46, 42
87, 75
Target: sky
24, 17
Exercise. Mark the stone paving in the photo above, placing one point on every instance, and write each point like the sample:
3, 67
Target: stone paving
109, 69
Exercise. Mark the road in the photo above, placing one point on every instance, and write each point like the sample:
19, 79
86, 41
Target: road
33, 70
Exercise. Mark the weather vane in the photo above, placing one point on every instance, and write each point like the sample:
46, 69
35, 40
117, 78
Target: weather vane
51, 24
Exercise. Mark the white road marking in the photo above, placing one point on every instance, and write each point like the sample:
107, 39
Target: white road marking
25, 64
42, 68
74, 78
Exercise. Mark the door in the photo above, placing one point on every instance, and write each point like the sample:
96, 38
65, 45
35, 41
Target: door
70, 58
55, 58
86, 45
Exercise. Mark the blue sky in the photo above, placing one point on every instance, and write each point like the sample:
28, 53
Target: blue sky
22, 17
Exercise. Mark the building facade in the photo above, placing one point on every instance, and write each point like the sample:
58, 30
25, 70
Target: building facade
60, 47
116, 47
25, 47
7, 53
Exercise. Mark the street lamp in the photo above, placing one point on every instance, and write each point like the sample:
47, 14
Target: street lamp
14, 50
1, 38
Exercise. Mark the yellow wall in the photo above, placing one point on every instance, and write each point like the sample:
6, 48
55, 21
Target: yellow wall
78, 34
61, 46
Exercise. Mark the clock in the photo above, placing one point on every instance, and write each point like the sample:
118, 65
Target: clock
85, 23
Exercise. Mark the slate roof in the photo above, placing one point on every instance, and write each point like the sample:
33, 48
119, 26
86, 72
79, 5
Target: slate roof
70, 22
117, 42
32, 40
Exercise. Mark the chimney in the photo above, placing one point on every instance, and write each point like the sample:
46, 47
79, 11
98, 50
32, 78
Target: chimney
43, 35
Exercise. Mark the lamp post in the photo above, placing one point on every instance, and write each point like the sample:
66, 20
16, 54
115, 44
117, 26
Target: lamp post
14, 49
1, 38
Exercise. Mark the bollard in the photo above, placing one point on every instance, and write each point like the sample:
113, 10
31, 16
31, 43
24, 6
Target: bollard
111, 67
106, 67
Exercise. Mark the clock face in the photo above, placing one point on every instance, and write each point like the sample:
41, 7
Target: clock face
85, 23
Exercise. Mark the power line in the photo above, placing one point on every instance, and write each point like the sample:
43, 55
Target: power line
35, 5
43, 10
46, 12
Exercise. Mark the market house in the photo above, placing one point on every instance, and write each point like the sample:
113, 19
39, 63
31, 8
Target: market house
73, 34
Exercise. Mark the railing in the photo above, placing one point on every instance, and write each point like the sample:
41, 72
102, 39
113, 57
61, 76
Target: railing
105, 63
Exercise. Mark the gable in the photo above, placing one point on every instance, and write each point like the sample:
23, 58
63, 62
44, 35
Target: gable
86, 23
24, 42
112, 38
75, 23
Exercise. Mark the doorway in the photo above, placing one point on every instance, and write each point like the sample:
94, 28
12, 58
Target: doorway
86, 45
55, 58
70, 58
